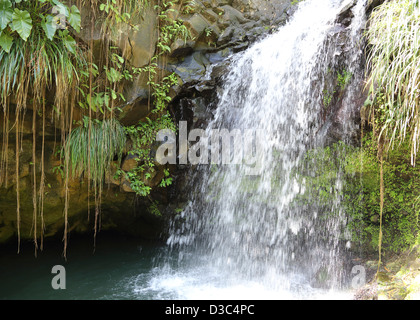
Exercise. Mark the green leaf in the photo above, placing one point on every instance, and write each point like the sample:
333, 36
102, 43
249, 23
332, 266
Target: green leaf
6, 41
49, 26
106, 100
113, 75
113, 95
91, 102
6, 13
120, 59
70, 43
74, 18
22, 23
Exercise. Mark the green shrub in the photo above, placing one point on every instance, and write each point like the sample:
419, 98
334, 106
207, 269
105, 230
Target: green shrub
394, 61
91, 149
359, 195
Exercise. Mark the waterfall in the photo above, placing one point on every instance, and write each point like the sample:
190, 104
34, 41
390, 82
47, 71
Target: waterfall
271, 229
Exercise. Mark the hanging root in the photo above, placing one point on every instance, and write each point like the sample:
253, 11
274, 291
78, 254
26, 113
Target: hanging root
381, 204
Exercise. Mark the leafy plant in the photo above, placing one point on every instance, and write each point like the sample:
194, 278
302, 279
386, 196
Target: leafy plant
208, 31
23, 18
153, 209
400, 210
34, 47
295, 2
106, 98
188, 7
394, 61
343, 79
327, 98
170, 29
91, 149
143, 135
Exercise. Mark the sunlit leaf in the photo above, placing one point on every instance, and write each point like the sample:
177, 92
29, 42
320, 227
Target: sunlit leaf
70, 43
74, 18
6, 41
22, 23
6, 13
49, 26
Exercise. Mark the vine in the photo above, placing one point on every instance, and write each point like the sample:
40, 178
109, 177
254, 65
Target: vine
39, 51
144, 133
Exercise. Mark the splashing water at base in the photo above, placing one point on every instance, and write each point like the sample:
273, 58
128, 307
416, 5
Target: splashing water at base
210, 284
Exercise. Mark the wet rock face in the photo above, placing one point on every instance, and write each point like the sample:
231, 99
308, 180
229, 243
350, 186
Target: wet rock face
221, 28
346, 15
345, 81
371, 4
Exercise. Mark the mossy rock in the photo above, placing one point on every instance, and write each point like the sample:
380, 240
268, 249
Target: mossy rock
413, 291
383, 278
196, 24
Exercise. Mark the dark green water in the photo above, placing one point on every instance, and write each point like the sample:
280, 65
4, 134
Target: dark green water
112, 272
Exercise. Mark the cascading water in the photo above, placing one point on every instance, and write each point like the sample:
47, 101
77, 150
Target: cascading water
269, 235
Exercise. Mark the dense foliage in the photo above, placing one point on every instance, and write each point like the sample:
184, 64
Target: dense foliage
42, 52
394, 61
351, 175
393, 116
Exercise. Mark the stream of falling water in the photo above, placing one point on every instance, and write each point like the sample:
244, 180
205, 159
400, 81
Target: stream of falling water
252, 236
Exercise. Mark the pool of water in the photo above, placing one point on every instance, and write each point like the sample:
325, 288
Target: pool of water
122, 268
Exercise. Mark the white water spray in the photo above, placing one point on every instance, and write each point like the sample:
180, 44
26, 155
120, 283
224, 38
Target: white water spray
255, 236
